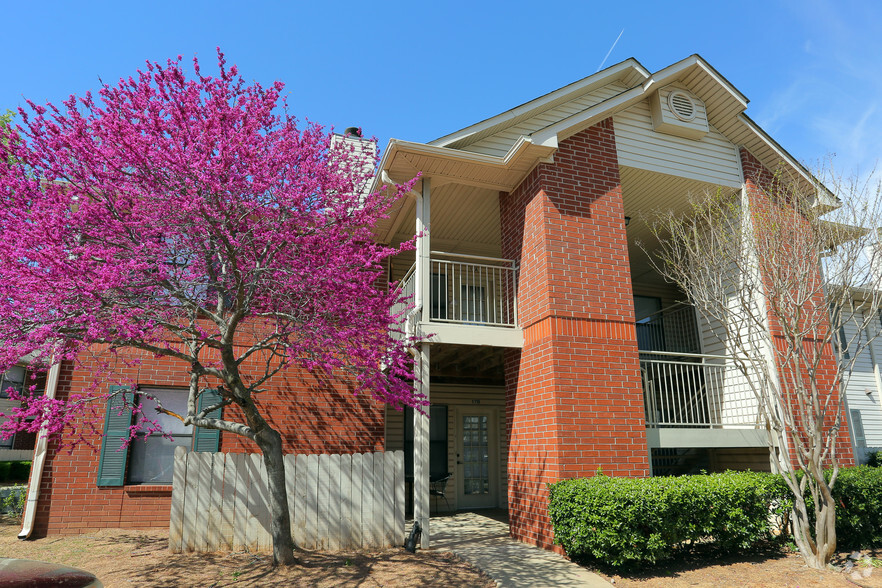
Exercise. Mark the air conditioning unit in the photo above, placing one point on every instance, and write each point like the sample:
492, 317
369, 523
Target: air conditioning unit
677, 111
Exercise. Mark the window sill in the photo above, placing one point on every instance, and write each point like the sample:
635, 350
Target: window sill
149, 489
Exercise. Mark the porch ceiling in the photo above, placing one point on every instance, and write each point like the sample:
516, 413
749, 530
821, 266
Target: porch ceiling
472, 364
645, 192
465, 219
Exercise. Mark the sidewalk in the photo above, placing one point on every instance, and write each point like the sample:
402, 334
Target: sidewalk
484, 542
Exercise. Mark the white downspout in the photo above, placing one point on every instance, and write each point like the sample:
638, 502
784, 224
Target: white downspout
27, 526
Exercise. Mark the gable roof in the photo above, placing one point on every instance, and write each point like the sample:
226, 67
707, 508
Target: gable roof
498, 152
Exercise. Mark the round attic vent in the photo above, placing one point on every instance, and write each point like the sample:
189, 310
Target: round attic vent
682, 105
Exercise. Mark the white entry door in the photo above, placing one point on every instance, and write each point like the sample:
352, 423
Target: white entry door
477, 458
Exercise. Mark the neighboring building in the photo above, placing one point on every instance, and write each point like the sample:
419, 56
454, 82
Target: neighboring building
19, 447
555, 350
863, 388
863, 398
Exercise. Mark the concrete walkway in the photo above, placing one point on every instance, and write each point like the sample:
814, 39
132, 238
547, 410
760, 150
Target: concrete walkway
484, 542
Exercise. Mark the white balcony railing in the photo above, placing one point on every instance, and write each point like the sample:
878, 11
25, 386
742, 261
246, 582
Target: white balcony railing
406, 285
468, 289
479, 291
696, 391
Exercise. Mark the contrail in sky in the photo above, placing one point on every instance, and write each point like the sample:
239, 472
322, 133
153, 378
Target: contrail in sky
610, 51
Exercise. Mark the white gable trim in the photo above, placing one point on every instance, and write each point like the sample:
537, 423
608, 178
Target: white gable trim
590, 116
584, 85
826, 198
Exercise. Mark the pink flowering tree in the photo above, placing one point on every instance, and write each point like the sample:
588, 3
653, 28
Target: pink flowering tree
191, 218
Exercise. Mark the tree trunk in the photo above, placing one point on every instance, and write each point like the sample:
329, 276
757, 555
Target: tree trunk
802, 535
816, 551
270, 443
825, 527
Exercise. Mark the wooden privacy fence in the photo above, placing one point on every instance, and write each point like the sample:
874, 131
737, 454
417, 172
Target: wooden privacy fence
220, 501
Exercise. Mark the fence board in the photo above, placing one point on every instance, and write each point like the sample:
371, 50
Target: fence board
290, 472
221, 501
176, 516
311, 501
356, 500
228, 503
300, 493
240, 531
191, 489
345, 532
264, 516
215, 502
368, 496
203, 494
254, 501
322, 527
398, 531
388, 501
334, 503
379, 501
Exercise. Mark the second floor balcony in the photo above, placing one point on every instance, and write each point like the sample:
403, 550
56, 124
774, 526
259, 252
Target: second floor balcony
692, 398
469, 292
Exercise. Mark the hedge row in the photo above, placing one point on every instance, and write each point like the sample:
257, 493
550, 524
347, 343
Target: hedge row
858, 495
14, 471
643, 520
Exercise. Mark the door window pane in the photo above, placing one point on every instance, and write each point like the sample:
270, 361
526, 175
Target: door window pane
475, 458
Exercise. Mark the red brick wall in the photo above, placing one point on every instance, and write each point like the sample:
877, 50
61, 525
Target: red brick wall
574, 397
761, 183
311, 416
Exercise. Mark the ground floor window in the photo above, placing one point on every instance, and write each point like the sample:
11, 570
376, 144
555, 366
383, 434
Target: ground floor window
152, 455
149, 458
437, 441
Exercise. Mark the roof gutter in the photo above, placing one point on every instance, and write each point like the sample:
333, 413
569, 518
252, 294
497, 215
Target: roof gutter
39, 462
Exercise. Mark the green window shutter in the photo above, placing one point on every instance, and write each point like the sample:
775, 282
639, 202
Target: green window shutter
112, 465
207, 439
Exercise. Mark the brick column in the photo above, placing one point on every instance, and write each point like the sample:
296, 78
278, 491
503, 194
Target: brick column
759, 184
574, 397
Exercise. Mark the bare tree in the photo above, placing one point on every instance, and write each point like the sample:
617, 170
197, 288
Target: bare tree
783, 275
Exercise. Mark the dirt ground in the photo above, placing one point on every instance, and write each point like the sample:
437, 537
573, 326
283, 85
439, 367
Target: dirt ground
770, 569
141, 558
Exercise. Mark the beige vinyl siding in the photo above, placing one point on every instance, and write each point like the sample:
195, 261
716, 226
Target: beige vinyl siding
712, 159
500, 143
863, 378
738, 398
458, 398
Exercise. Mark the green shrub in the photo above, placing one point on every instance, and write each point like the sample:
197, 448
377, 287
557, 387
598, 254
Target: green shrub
13, 499
858, 494
875, 460
623, 521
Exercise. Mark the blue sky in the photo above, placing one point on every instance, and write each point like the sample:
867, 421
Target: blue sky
812, 69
